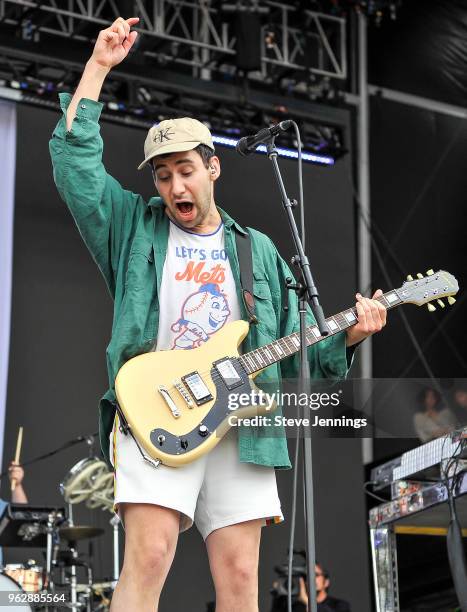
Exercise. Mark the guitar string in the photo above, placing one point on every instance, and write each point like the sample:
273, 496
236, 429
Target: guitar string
216, 376
314, 340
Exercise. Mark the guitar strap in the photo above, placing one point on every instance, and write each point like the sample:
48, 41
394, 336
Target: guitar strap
245, 260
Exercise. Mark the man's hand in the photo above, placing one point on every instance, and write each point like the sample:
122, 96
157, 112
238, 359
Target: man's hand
111, 48
371, 318
114, 43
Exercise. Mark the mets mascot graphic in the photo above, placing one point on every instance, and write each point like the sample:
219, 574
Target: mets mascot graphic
203, 313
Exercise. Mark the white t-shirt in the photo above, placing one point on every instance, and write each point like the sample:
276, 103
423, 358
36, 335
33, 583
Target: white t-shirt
198, 294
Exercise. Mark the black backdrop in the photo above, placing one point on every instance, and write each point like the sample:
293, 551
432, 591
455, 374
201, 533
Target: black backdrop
61, 320
418, 202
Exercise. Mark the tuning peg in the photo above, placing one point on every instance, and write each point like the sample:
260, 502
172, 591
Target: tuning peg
409, 277
431, 308
419, 275
451, 300
429, 272
441, 303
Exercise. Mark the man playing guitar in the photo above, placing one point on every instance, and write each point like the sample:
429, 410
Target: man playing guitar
172, 269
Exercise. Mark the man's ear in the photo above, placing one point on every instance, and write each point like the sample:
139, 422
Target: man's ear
214, 168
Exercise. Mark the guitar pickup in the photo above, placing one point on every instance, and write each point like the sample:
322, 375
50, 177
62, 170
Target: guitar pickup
197, 388
228, 373
169, 401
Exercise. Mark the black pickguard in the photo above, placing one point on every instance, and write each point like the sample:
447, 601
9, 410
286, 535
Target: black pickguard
178, 445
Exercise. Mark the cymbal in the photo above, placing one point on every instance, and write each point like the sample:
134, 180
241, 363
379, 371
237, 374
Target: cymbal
79, 532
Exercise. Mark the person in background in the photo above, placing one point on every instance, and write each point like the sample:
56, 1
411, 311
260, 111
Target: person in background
326, 603
16, 473
18, 495
433, 419
459, 406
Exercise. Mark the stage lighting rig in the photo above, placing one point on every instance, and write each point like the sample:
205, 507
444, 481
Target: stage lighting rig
377, 9
374, 9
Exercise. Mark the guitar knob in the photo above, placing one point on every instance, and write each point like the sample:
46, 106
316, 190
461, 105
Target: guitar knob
419, 275
451, 300
430, 272
203, 430
441, 303
431, 308
409, 277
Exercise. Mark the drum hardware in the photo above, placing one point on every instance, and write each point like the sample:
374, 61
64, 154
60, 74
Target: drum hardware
65, 559
103, 591
24, 525
90, 480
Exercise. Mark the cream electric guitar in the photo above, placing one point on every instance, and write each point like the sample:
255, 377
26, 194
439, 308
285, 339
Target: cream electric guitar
176, 403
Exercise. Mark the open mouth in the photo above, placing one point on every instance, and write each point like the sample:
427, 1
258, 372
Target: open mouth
185, 208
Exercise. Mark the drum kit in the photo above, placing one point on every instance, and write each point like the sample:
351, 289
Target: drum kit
57, 585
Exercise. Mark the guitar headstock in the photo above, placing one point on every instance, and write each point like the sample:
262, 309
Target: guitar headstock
432, 287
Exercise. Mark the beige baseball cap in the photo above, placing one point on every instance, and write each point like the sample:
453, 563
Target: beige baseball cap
174, 135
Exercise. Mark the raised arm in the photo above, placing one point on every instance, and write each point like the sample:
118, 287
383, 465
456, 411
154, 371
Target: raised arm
112, 46
104, 212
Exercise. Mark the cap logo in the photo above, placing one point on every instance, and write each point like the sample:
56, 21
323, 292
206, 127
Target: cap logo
164, 134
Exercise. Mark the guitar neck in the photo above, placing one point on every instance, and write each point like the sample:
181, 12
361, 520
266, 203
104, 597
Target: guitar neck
275, 351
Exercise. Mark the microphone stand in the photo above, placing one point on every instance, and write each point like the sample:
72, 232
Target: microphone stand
307, 293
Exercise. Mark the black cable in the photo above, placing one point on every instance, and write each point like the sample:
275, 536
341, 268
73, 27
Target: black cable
454, 541
300, 182
371, 494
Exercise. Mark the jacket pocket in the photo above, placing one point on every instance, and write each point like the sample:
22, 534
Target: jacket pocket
140, 268
265, 312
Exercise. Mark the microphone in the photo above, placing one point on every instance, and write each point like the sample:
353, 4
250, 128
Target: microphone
248, 144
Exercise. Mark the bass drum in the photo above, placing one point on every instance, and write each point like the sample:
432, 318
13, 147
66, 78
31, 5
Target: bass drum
29, 576
10, 585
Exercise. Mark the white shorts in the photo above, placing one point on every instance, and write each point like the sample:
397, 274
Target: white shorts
214, 491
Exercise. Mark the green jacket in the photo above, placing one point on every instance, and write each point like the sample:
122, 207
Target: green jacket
127, 238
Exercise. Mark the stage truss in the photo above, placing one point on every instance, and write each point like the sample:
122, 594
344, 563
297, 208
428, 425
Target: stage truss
199, 34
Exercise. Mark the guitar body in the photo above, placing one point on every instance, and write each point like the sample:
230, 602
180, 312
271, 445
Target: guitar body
148, 397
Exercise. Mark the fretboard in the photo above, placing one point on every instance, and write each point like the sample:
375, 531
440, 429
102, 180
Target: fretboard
271, 353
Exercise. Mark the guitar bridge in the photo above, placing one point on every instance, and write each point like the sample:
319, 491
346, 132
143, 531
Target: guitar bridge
169, 401
184, 393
